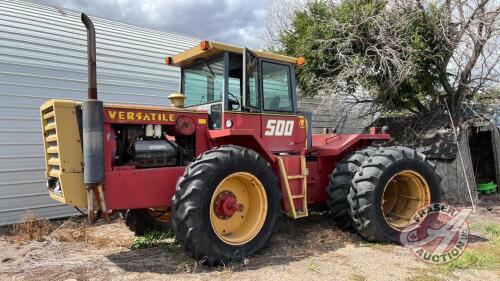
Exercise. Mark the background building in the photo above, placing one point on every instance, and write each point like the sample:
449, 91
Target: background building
43, 56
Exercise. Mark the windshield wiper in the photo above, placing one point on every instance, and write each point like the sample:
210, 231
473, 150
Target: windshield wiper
208, 66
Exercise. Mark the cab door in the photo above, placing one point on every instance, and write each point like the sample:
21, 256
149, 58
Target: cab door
282, 129
248, 116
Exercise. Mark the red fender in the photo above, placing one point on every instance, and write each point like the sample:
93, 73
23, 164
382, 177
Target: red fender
325, 145
243, 137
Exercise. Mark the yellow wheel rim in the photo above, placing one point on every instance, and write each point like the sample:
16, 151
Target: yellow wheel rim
404, 194
161, 214
238, 208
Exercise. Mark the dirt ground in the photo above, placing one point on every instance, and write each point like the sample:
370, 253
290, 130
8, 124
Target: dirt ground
308, 249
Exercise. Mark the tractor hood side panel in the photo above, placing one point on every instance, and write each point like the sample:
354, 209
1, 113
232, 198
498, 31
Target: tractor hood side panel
130, 187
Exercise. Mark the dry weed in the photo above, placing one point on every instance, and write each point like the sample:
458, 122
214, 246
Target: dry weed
94, 235
30, 228
72, 232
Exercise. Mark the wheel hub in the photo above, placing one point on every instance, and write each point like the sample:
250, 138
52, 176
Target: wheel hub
238, 208
163, 215
405, 193
226, 205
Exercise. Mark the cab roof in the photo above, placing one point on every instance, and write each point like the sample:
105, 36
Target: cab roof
207, 49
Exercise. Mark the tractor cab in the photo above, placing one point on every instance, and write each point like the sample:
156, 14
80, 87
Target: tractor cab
244, 89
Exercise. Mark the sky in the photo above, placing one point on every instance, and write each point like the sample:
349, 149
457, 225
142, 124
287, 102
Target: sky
239, 22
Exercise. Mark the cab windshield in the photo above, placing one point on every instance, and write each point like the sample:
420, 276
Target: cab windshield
203, 82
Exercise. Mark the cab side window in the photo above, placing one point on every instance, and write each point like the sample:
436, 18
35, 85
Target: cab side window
276, 87
252, 72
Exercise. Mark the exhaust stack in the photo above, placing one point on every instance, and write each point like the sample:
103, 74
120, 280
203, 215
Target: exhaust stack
93, 130
91, 57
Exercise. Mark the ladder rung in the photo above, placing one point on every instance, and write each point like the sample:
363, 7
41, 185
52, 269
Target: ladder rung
295, 177
298, 196
301, 214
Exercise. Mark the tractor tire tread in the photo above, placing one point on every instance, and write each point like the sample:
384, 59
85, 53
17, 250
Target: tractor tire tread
340, 181
362, 194
140, 221
191, 232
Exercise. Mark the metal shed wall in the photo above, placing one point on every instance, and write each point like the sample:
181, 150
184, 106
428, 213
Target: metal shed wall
43, 56
338, 113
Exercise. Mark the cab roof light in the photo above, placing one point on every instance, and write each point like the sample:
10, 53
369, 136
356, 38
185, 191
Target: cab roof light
204, 45
301, 61
168, 60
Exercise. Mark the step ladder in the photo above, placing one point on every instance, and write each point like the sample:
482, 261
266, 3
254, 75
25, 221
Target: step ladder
285, 178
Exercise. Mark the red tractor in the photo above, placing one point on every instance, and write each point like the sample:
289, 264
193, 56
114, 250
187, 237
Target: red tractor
227, 158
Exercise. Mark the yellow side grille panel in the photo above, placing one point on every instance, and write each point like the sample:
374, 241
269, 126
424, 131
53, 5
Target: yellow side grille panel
51, 138
63, 151
49, 114
54, 161
50, 126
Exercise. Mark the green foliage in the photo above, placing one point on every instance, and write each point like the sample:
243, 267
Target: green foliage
364, 44
474, 258
484, 256
493, 229
150, 239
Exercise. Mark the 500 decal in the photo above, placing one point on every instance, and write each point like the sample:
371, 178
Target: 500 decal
279, 127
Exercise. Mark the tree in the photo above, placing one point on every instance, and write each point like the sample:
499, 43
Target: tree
407, 55
471, 33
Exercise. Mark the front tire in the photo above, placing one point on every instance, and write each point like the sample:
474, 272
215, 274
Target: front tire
141, 221
390, 187
226, 205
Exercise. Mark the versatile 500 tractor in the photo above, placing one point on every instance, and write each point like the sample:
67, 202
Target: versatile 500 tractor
227, 158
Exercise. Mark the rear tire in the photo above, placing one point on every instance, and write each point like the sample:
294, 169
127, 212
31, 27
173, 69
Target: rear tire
193, 204
141, 221
340, 182
388, 189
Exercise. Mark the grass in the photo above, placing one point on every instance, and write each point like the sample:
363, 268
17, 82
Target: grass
72, 232
167, 242
492, 229
31, 228
312, 266
150, 239
226, 272
423, 277
484, 256
98, 235
358, 277
386, 248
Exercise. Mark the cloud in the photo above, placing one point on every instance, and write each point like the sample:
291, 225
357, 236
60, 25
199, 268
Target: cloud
239, 22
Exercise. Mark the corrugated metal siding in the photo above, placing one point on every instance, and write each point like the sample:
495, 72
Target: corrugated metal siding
43, 56
337, 112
